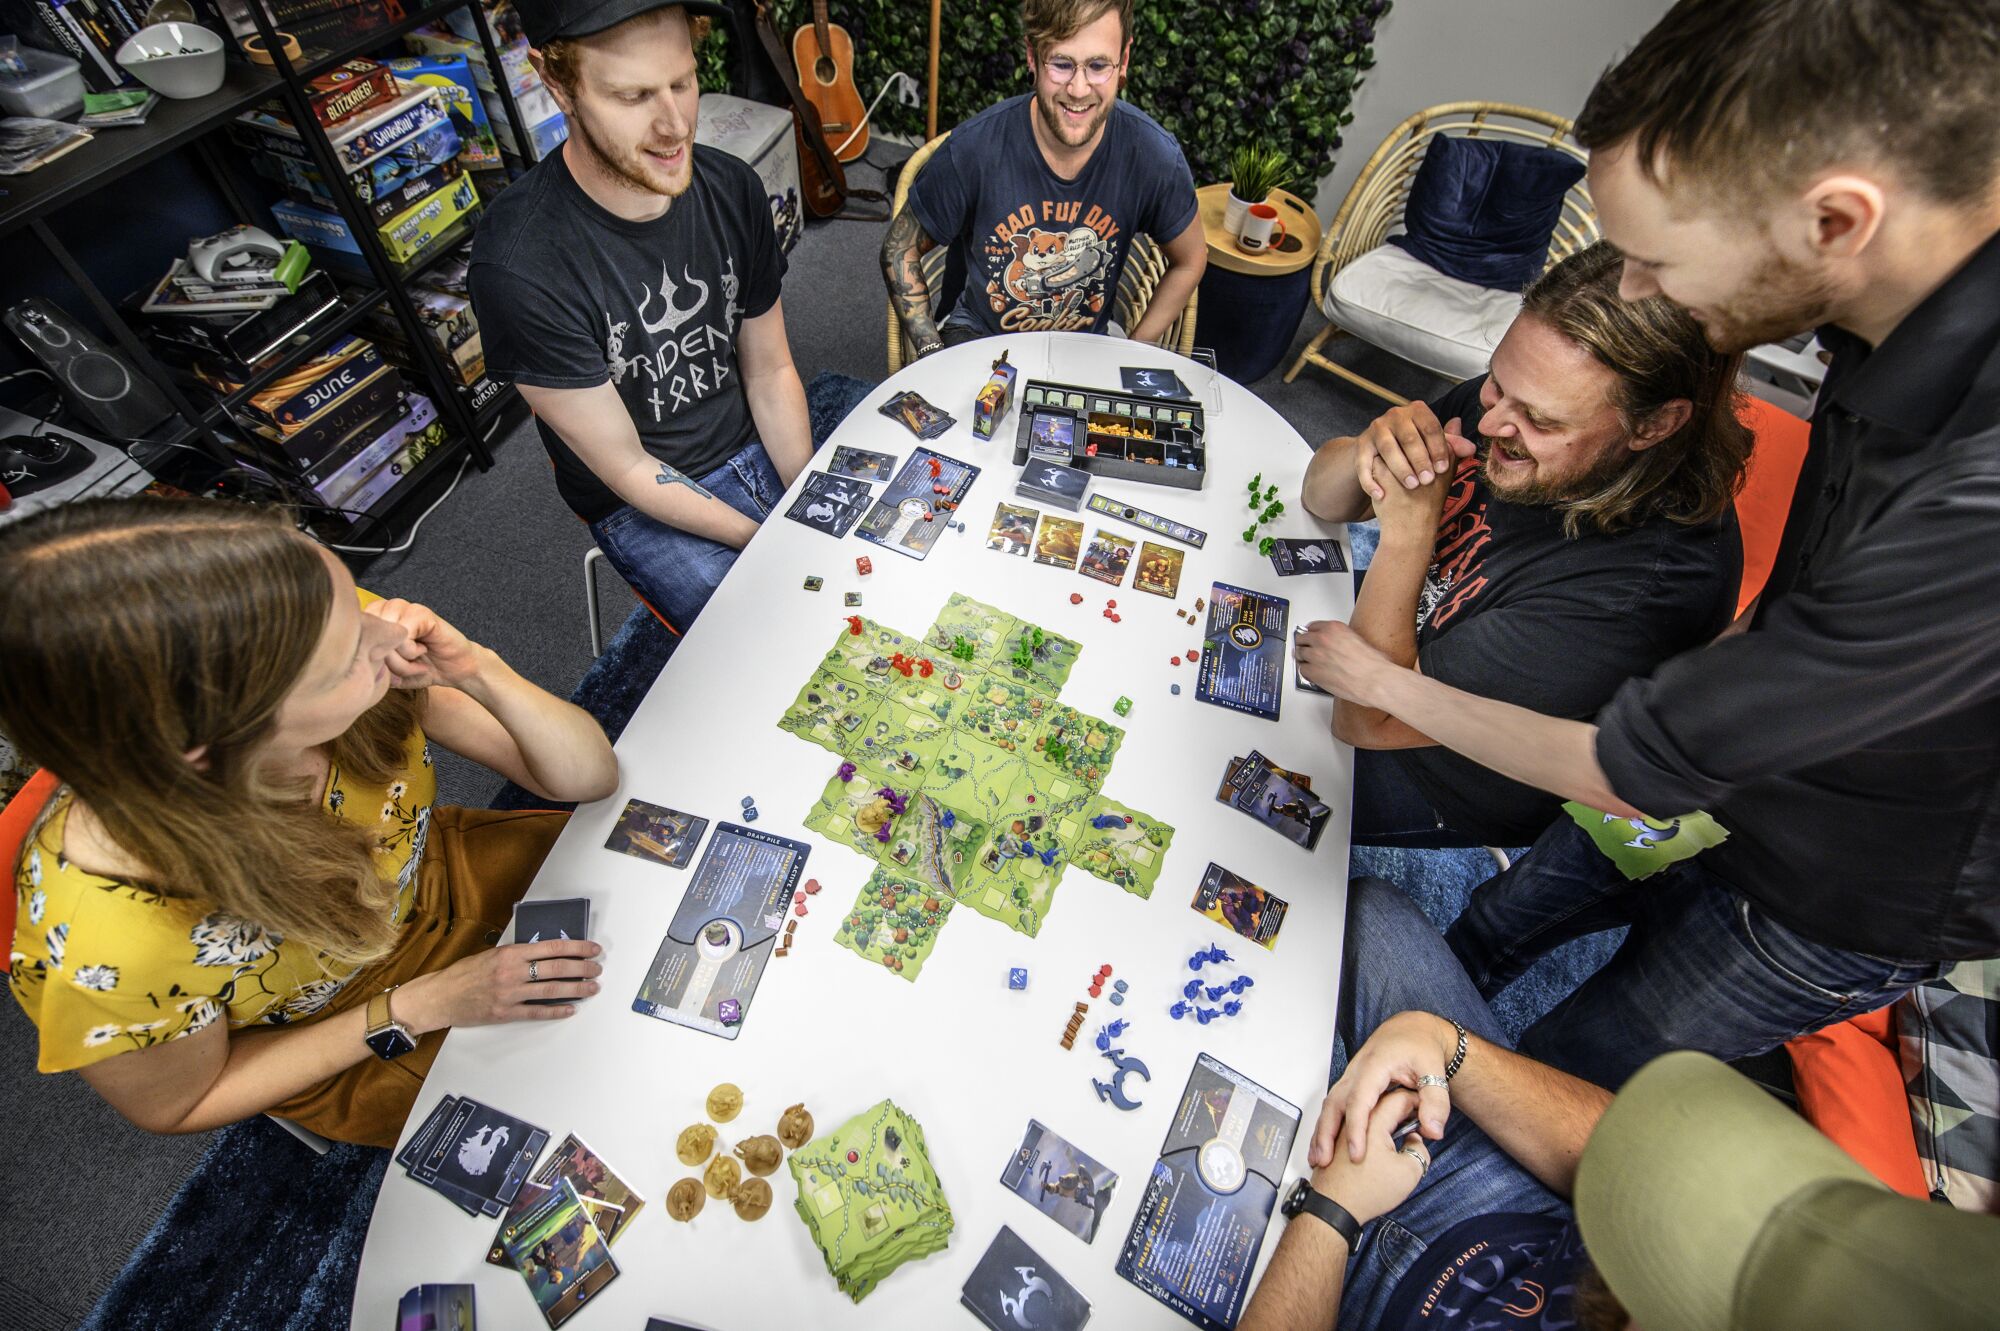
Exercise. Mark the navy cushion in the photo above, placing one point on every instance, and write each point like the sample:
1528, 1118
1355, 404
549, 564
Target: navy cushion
1482, 211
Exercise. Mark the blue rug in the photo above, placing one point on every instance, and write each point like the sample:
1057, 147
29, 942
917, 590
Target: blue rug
267, 1236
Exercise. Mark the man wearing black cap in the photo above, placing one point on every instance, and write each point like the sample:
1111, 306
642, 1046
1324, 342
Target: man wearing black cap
629, 287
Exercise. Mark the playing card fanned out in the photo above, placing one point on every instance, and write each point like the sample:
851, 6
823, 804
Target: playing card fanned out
830, 504
923, 419
869, 1197
473, 1154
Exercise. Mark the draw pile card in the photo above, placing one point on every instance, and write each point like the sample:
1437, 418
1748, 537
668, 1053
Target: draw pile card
1060, 1181
1239, 905
1053, 483
829, 503
1013, 529
607, 1199
561, 1253
1060, 541
1152, 383
653, 832
1159, 569
1243, 651
1292, 557
1202, 1219
440, 1306
473, 1154
1299, 679
1281, 800
922, 419
708, 967
1012, 1288
860, 464
1107, 557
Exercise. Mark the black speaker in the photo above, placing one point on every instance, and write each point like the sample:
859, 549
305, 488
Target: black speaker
96, 381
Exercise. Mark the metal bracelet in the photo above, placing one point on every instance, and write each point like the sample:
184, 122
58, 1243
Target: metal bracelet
1458, 1057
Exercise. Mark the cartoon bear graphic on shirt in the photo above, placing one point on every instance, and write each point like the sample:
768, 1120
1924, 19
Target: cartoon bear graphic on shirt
1054, 273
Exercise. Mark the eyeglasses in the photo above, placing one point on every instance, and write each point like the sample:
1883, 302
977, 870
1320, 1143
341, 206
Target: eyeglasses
1062, 70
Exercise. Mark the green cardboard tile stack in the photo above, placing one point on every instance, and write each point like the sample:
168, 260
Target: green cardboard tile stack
869, 1197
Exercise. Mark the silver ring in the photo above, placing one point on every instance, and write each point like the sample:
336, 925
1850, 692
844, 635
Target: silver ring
1423, 1161
534, 972
1432, 1079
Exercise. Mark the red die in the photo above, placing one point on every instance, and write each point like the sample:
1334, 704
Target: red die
862, 564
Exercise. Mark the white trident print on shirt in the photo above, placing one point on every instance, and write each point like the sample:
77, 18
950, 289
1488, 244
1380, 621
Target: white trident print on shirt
691, 356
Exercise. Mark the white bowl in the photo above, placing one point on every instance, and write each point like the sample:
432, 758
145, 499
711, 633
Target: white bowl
179, 60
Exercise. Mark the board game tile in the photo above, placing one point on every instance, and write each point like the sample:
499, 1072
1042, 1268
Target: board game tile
1130, 856
980, 624
832, 711
865, 656
1001, 711
895, 922
1049, 666
1088, 744
1009, 882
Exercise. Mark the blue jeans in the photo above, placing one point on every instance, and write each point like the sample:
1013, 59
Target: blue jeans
1394, 961
1389, 810
675, 571
1702, 967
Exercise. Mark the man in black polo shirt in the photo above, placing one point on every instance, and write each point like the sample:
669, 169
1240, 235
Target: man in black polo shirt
1773, 166
1590, 530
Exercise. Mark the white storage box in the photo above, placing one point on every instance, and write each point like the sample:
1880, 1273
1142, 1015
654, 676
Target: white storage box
762, 136
51, 88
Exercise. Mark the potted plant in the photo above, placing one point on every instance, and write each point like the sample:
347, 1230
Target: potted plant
1254, 172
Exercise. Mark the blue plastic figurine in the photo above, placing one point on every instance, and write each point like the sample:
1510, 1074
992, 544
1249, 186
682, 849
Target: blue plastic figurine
1240, 983
1217, 956
1177, 1011
1215, 991
1205, 1015
1232, 1007
1049, 856
1191, 988
948, 820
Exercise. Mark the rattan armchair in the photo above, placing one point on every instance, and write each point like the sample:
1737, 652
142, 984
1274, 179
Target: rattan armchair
1145, 264
1374, 206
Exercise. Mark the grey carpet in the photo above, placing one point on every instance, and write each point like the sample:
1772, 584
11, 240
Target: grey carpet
502, 559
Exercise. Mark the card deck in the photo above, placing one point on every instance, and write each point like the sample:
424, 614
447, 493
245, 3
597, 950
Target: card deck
1106, 557
475, 1156
1202, 356
1012, 1288
1142, 382
1159, 569
830, 504
560, 1253
921, 418
1053, 483
861, 464
654, 832
541, 921
1291, 557
1059, 541
445, 1307
1232, 900
1013, 529
1271, 797
1298, 675
1060, 1181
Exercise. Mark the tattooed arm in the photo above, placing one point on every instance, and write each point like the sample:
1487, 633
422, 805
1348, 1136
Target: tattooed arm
903, 250
598, 429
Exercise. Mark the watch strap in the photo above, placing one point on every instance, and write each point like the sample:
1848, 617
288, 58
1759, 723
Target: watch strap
1314, 1202
379, 1017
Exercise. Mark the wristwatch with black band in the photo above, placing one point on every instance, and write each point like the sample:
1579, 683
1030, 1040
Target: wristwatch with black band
1304, 1197
389, 1038
928, 346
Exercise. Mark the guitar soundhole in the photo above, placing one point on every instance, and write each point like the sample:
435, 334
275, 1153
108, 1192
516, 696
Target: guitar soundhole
823, 70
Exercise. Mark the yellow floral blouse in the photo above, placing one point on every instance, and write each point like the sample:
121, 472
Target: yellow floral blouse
102, 966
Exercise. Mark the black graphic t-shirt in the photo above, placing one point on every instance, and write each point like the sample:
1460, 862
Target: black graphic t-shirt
1042, 253
1493, 1271
1513, 609
570, 296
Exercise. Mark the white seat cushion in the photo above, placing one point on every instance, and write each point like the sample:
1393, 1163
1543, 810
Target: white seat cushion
1408, 308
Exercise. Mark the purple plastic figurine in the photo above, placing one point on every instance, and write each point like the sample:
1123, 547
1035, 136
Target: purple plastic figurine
845, 773
882, 834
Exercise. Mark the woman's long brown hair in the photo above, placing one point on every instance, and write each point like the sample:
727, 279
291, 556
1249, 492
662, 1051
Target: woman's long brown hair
134, 631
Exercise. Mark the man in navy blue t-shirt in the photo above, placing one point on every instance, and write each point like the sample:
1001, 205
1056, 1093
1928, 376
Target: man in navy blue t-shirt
1042, 195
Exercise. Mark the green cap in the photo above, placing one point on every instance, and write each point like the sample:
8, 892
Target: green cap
1709, 1206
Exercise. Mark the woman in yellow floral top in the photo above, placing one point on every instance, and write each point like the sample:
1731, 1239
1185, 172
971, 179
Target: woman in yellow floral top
244, 859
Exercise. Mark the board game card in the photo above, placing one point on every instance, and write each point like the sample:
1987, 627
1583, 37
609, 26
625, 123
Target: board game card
653, 832
1233, 901
425, 1166
1059, 541
1107, 557
1012, 1288
1298, 674
1274, 800
608, 1198
441, 1306
707, 969
1142, 382
420, 1142
1291, 557
921, 418
1013, 529
860, 464
1208, 1203
541, 921
915, 508
1232, 777
1060, 1181
561, 1254
488, 1154
1243, 651
829, 504
1053, 483
1159, 569
1052, 434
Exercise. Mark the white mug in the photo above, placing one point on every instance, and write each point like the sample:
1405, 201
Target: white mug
1258, 223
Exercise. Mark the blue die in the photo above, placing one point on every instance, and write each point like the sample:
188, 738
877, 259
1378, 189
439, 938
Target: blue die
1017, 977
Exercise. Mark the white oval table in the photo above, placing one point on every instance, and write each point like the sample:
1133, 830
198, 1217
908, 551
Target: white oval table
970, 1060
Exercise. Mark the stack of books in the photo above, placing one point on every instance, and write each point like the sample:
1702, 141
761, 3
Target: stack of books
183, 292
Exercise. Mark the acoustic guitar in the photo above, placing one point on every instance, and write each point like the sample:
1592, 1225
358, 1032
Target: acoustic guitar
824, 55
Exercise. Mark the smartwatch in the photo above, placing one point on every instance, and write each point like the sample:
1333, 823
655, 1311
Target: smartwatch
389, 1038
1304, 1197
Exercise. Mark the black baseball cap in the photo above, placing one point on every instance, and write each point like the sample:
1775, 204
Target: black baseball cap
545, 20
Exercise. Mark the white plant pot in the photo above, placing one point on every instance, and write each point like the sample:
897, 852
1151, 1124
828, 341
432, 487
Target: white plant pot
1232, 214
